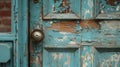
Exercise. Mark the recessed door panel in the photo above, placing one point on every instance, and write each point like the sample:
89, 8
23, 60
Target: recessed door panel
108, 57
109, 9
61, 9
61, 57
100, 56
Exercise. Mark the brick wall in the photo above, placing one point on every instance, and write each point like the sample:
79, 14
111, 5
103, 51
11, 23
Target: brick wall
5, 13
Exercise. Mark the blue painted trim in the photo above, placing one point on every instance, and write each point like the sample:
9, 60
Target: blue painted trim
19, 33
13, 10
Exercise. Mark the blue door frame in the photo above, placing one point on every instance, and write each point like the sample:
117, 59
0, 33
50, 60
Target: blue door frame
14, 44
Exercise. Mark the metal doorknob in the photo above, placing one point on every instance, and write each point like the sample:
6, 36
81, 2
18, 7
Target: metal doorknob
37, 35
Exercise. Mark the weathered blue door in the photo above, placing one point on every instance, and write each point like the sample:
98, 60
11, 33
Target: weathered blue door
74, 33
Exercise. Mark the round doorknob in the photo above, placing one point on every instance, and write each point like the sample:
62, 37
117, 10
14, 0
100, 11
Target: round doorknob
37, 35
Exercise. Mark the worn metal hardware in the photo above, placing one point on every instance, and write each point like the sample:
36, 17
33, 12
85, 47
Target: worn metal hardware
37, 35
35, 1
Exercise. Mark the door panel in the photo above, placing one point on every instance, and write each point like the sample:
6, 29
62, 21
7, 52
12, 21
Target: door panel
61, 9
108, 57
61, 57
97, 56
109, 9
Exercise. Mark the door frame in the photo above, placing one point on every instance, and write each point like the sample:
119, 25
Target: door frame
19, 33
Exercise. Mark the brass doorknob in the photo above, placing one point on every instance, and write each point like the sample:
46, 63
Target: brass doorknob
37, 35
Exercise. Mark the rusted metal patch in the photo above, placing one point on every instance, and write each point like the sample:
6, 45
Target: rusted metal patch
111, 2
89, 24
37, 59
64, 26
35, 1
31, 48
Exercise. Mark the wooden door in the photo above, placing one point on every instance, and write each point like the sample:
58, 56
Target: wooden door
74, 33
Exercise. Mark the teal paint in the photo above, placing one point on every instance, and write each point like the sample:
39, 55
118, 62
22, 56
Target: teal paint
111, 8
112, 59
57, 45
61, 57
83, 45
17, 40
99, 9
22, 34
59, 48
60, 9
5, 52
88, 9
108, 11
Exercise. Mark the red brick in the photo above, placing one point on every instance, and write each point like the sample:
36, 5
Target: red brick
5, 21
5, 4
5, 13
1, 5
8, 28
5, 29
8, 5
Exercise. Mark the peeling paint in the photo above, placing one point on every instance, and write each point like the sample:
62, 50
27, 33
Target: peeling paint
59, 56
112, 61
89, 24
54, 56
61, 39
72, 42
112, 24
65, 26
73, 36
67, 61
